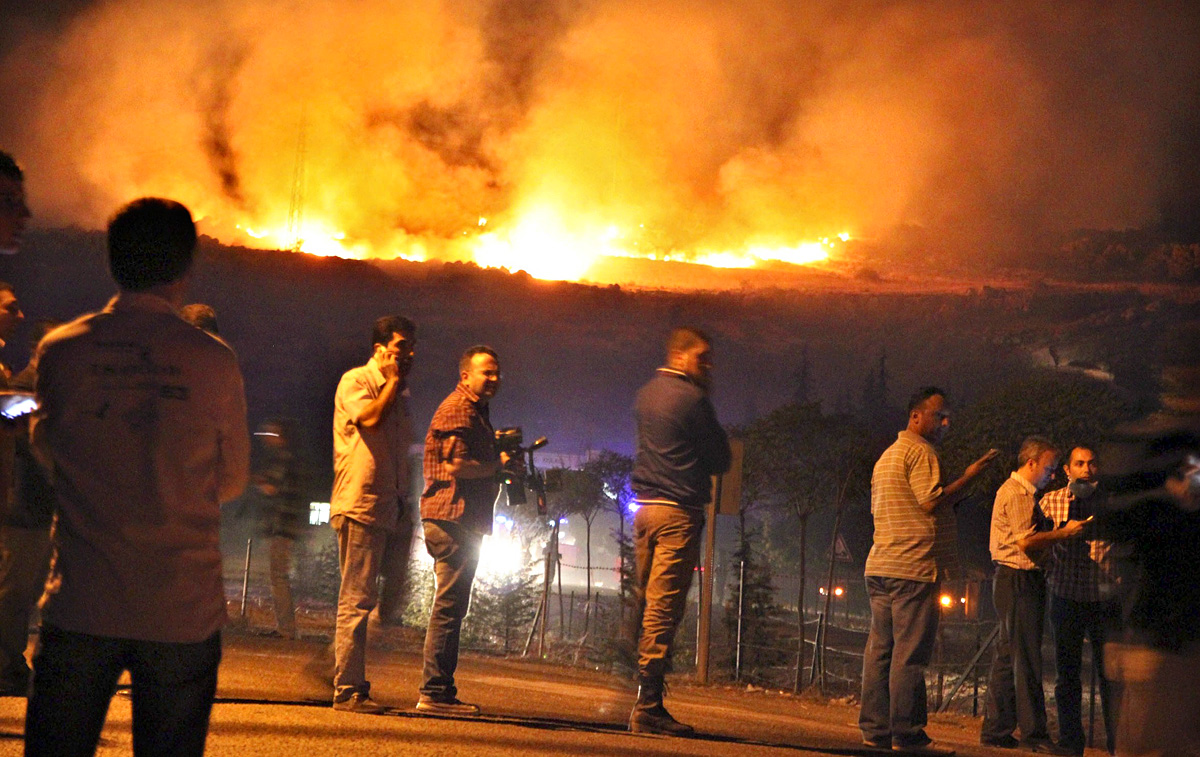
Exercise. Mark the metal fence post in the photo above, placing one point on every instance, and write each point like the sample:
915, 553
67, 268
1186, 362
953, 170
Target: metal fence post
737, 659
246, 575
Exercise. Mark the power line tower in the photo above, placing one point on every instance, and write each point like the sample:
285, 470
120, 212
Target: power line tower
296, 206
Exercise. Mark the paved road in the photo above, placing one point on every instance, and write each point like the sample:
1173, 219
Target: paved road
269, 705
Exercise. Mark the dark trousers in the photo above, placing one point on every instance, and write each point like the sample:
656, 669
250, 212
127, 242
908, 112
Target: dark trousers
666, 545
1073, 622
1015, 697
904, 621
75, 675
455, 553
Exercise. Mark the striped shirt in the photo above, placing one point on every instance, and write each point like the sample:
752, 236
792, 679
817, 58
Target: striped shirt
460, 429
1015, 516
1079, 569
910, 543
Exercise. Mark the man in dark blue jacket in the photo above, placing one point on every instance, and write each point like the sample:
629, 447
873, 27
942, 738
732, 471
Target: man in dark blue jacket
680, 446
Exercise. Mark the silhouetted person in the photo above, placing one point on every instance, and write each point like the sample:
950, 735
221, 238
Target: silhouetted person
369, 509
26, 541
143, 423
680, 446
1152, 476
282, 507
14, 212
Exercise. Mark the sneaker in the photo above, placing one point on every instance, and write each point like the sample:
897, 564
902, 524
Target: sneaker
361, 703
999, 742
884, 742
446, 707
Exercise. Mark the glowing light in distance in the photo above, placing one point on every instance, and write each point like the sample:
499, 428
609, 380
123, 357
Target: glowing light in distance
946, 600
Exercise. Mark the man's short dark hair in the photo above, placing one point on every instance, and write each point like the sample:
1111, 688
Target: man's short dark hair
685, 338
919, 397
202, 316
381, 332
464, 362
9, 168
151, 241
1081, 445
1033, 447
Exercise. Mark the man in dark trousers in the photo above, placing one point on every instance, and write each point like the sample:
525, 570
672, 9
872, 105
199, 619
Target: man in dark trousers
143, 425
1082, 580
1019, 540
680, 446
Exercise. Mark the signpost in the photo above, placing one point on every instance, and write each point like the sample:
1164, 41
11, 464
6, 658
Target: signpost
726, 500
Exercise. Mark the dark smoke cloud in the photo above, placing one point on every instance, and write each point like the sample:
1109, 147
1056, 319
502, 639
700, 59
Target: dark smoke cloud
214, 84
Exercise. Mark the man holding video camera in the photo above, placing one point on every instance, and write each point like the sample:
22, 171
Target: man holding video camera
462, 467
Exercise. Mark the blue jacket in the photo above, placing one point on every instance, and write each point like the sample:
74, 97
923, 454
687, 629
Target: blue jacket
680, 444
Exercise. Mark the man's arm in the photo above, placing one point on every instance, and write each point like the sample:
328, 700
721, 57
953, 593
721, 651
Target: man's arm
712, 442
373, 411
954, 491
1040, 540
460, 465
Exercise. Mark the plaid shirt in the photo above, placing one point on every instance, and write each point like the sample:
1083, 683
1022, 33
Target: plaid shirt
460, 429
1080, 569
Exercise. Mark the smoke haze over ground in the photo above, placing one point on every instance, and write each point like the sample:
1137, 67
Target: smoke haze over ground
688, 124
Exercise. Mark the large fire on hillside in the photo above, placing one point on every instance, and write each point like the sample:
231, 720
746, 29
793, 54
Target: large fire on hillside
564, 137
539, 243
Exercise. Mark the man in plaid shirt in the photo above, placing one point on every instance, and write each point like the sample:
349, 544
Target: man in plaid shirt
462, 468
1083, 603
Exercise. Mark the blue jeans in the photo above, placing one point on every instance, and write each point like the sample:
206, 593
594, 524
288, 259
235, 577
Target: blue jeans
455, 553
75, 675
904, 622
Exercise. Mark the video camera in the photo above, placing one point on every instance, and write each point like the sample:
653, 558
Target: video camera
510, 440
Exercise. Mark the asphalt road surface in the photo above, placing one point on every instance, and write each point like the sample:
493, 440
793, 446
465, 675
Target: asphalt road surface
272, 700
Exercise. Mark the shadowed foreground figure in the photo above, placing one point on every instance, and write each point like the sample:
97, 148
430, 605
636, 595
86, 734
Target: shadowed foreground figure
1152, 474
143, 424
680, 446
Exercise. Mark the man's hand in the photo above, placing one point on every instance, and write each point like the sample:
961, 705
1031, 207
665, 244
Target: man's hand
1072, 528
980, 465
389, 367
514, 464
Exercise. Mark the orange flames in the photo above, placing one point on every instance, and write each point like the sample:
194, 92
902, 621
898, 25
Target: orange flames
540, 241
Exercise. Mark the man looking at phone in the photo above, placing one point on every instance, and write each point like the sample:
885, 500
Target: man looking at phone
1082, 581
369, 509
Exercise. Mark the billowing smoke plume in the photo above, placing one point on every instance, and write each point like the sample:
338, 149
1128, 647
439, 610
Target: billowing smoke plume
699, 124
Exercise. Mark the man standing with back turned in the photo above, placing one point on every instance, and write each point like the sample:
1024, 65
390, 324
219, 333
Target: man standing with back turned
680, 446
143, 424
914, 548
372, 431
